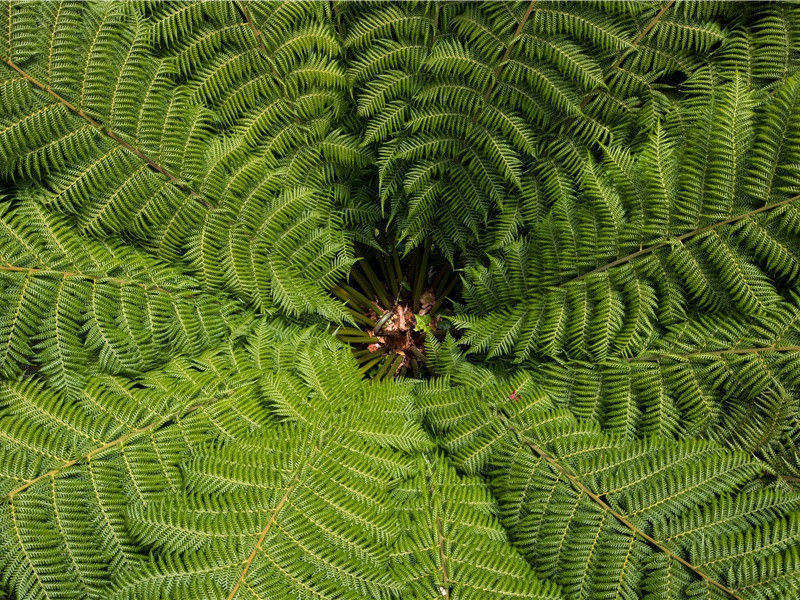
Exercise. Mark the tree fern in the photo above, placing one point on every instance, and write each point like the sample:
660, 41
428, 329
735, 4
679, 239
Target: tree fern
236, 236
604, 517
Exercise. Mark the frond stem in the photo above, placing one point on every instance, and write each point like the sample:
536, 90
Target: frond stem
682, 238
262, 51
623, 55
440, 539
657, 357
643, 33
583, 488
104, 129
261, 47
272, 519
120, 281
176, 416
510, 44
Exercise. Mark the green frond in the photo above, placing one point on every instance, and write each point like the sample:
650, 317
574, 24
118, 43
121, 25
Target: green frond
445, 515
234, 236
687, 225
69, 301
604, 516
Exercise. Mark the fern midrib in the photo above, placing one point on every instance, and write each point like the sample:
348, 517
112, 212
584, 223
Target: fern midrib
293, 484
679, 239
576, 482
261, 47
120, 281
264, 54
435, 507
108, 132
637, 40
496, 72
169, 419
622, 56
677, 357
18, 534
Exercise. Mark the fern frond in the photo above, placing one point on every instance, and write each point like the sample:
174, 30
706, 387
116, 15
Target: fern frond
186, 187
669, 240
68, 299
592, 511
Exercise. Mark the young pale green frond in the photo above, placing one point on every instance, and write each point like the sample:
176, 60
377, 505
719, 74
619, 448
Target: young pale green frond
236, 475
70, 468
69, 465
285, 511
451, 537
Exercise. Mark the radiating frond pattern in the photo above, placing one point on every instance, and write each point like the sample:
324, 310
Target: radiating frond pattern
582, 224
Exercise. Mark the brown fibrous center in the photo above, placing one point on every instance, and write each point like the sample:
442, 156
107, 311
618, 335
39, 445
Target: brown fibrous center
398, 333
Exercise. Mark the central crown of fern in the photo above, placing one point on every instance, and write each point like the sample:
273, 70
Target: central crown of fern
562, 239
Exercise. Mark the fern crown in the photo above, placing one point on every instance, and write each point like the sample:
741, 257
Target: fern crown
399, 300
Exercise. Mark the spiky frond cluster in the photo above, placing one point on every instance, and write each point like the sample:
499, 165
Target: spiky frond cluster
203, 202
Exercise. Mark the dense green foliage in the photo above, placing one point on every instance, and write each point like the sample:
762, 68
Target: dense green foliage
185, 188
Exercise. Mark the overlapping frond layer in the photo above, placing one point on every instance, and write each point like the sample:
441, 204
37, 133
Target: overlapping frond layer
70, 468
94, 122
72, 306
286, 518
607, 517
667, 293
480, 113
265, 468
731, 380
193, 130
445, 517
270, 76
702, 222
